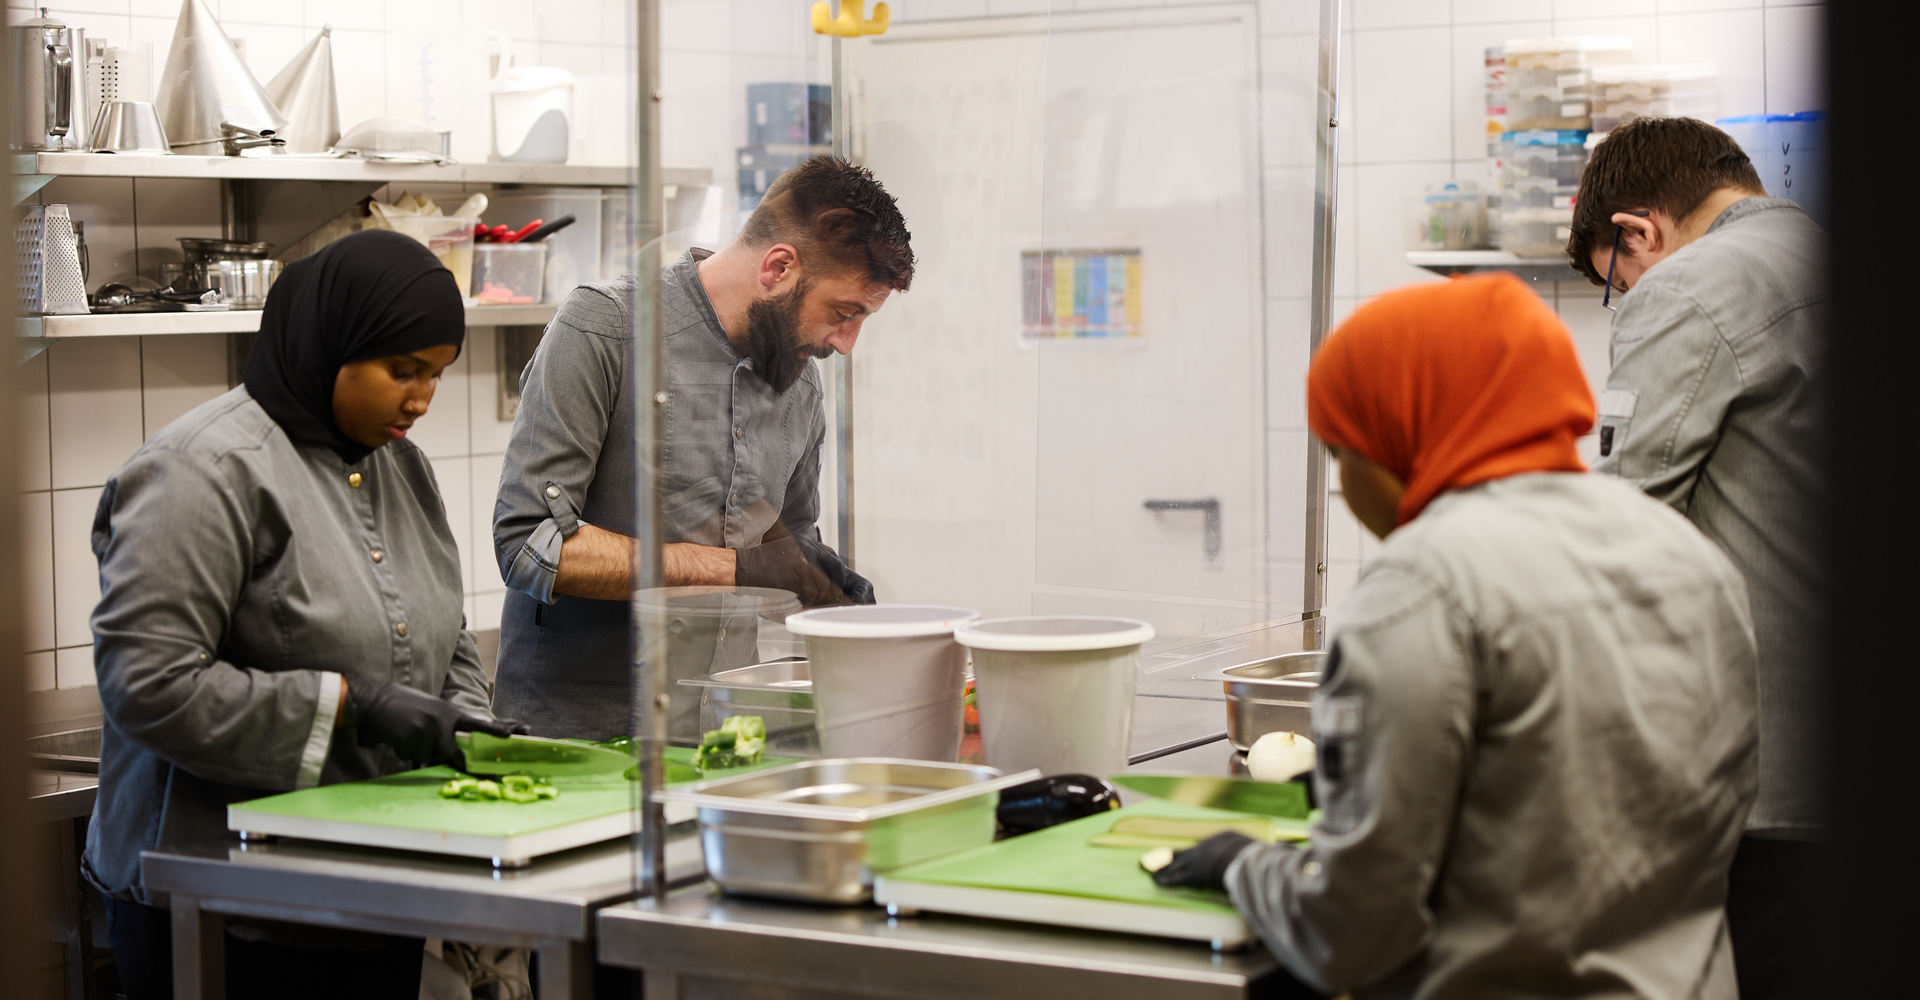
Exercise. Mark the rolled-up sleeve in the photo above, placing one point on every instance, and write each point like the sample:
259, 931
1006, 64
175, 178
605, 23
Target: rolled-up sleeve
1393, 722
568, 395
175, 546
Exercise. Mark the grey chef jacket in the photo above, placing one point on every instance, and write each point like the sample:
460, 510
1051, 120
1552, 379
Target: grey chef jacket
1536, 754
738, 455
242, 575
1713, 406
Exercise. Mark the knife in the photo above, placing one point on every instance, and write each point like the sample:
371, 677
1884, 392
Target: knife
489, 754
1261, 798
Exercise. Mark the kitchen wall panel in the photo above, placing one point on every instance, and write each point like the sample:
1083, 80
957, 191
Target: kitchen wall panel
73, 667
179, 373
1288, 323
454, 476
94, 407
1734, 41
36, 570
76, 574
33, 438
1796, 65
39, 670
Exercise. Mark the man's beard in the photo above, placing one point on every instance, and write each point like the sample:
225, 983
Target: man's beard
773, 338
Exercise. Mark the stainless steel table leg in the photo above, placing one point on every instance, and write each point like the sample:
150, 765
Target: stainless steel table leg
566, 971
658, 985
199, 952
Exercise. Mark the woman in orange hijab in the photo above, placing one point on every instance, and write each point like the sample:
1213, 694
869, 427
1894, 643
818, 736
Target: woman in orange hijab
1536, 726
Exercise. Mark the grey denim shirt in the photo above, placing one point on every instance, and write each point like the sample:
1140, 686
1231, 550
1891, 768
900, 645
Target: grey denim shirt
242, 576
1536, 754
737, 456
1714, 406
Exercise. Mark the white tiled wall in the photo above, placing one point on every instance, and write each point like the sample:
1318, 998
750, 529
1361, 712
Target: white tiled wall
1411, 112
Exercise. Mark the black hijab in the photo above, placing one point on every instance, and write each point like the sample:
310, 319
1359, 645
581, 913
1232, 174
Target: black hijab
374, 294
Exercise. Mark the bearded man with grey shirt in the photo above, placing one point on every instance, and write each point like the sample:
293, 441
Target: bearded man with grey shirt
738, 482
1714, 406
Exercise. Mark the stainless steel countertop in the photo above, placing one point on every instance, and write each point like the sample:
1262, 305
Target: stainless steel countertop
399, 892
57, 795
816, 951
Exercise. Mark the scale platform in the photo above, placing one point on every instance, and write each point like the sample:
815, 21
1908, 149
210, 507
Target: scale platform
1055, 876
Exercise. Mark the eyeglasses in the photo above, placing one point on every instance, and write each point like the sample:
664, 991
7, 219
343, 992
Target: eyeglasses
1606, 300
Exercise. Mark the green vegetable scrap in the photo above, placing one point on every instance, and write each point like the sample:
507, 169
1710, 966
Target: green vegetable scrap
511, 788
738, 742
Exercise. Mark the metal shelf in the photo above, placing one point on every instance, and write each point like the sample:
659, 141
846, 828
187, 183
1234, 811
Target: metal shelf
1535, 269
232, 321
305, 168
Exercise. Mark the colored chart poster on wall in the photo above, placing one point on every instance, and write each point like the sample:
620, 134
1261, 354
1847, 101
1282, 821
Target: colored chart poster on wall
1080, 295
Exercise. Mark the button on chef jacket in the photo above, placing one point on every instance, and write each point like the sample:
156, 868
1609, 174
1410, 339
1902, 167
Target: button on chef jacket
243, 575
738, 456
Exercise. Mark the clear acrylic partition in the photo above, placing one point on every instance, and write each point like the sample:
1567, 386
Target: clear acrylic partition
1091, 401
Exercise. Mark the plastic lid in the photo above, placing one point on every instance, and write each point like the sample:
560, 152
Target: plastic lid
1584, 43
880, 621
1546, 137
1054, 633
1636, 71
681, 600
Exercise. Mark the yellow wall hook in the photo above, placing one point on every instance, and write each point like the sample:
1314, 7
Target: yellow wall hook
852, 22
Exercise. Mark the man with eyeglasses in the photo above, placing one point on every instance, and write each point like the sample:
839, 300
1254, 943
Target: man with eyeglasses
1714, 406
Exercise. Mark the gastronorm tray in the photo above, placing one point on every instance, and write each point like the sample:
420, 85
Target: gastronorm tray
819, 830
1271, 696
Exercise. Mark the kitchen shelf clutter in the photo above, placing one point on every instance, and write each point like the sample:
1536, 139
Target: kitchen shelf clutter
234, 321
1533, 269
330, 168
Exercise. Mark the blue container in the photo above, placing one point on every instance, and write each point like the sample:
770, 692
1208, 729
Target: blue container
1789, 152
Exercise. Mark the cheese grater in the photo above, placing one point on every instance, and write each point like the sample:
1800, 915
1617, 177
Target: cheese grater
48, 268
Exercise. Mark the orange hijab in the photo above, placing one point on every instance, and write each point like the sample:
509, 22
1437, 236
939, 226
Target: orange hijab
1448, 385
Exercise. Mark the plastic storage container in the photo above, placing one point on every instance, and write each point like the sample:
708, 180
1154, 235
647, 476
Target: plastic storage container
450, 237
1789, 153
508, 273
1549, 80
1450, 216
1055, 693
888, 679
1623, 93
706, 630
780, 692
1539, 179
573, 253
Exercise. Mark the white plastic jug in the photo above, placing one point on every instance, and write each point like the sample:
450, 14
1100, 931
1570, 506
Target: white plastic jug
531, 108
442, 74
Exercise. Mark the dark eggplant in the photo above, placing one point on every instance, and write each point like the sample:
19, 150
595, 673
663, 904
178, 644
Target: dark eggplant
1053, 800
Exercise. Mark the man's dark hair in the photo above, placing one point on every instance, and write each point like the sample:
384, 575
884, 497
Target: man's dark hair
1667, 164
830, 209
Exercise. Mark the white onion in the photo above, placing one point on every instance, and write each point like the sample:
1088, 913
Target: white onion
1280, 757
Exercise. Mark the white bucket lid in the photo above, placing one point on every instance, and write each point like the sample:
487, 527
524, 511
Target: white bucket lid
1054, 633
880, 621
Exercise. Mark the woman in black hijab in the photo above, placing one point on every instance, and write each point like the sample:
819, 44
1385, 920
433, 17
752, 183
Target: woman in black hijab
281, 606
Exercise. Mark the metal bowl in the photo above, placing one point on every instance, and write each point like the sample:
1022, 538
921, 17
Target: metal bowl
242, 284
1274, 695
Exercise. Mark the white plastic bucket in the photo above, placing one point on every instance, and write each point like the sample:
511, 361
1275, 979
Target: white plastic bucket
531, 108
1055, 693
888, 679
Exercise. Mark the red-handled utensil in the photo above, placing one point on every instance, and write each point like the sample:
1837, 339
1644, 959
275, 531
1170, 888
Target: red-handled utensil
524, 230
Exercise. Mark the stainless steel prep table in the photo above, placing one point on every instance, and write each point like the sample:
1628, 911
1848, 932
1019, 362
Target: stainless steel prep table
547, 906
702, 944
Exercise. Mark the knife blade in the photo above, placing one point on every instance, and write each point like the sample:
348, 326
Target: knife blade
1261, 798
489, 754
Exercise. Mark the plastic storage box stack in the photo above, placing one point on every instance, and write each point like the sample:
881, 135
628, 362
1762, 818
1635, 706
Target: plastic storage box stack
786, 124
1623, 93
574, 254
1550, 80
1539, 178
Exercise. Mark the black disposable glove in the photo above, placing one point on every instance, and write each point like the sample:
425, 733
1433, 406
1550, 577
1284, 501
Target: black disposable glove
803, 565
417, 726
1204, 865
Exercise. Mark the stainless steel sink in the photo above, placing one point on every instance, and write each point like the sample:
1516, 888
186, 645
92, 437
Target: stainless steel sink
76, 751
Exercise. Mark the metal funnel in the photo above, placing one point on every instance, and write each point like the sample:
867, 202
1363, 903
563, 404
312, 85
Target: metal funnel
304, 93
206, 83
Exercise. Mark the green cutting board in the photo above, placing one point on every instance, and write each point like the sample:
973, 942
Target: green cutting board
1051, 876
406, 811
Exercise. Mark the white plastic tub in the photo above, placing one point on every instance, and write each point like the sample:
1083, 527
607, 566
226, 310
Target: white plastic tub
1055, 693
888, 679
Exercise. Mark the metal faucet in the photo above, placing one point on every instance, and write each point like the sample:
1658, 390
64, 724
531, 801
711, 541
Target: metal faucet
235, 137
